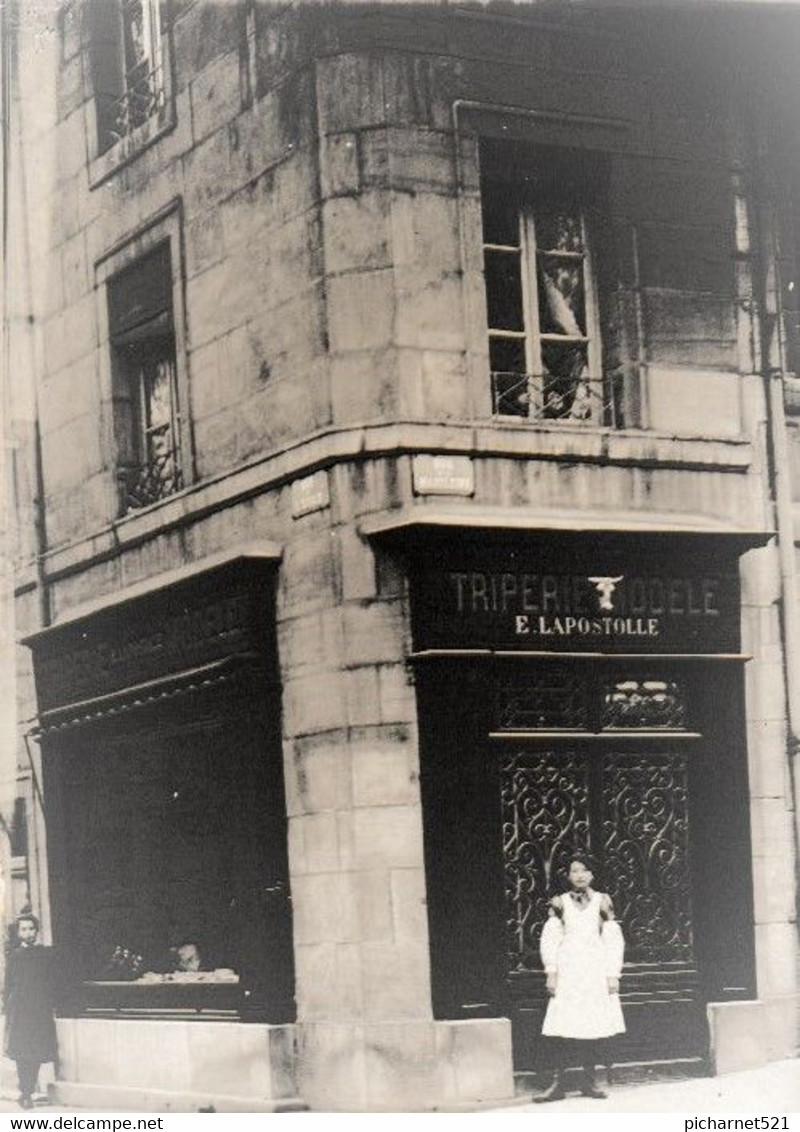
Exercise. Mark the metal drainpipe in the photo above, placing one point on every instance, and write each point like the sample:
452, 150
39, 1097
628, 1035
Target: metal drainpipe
789, 608
9, 17
778, 458
9, 23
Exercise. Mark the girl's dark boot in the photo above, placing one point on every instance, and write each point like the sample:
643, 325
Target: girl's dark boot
590, 1088
554, 1093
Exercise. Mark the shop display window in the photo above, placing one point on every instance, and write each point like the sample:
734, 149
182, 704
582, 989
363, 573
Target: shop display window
173, 878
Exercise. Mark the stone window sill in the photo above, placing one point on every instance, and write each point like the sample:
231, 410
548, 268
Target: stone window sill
127, 149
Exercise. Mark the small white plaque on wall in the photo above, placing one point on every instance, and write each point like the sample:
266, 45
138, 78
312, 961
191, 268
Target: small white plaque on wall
443, 475
309, 494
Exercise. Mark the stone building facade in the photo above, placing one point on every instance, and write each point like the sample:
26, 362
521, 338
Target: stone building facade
400, 407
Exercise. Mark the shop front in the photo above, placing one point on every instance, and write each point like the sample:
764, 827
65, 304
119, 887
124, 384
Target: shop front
161, 748
585, 693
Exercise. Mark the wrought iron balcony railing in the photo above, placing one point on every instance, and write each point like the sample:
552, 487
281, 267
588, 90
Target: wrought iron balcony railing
144, 484
143, 97
548, 397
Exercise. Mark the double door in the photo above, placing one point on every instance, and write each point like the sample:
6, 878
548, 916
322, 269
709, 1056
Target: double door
628, 807
641, 768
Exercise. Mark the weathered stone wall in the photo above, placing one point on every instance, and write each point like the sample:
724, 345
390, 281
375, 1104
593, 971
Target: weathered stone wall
331, 232
244, 171
328, 173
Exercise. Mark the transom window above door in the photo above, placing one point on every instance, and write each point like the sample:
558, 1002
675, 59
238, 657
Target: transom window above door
593, 698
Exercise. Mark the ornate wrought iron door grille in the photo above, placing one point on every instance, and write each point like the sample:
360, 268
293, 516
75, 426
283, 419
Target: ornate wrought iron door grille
545, 801
630, 811
645, 851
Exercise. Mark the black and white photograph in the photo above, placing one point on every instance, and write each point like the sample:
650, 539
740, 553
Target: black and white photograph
400, 559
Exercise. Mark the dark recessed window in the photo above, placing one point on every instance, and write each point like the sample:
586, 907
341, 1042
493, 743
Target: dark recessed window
146, 415
128, 66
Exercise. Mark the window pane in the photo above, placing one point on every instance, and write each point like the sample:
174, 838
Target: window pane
562, 301
565, 392
510, 392
558, 231
140, 64
160, 441
554, 697
137, 47
507, 355
500, 217
140, 293
155, 473
504, 290
644, 703
158, 393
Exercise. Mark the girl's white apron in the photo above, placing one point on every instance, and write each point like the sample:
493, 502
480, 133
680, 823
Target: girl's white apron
586, 952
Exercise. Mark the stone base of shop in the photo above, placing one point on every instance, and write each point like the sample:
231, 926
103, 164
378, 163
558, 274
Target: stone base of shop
179, 1066
405, 1066
745, 1035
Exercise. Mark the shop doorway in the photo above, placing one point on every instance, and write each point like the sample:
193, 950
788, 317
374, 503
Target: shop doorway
641, 762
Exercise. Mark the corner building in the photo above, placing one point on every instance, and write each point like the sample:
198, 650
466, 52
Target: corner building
396, 398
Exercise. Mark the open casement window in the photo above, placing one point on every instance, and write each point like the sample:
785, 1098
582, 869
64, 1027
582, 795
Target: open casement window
128, 66
146, 418
545, 350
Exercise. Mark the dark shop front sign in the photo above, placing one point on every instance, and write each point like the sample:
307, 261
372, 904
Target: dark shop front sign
605, 605
185, 626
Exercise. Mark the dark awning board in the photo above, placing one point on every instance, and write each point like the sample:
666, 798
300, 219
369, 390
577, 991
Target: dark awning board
151, 692
426, 524
198, 620
492, 579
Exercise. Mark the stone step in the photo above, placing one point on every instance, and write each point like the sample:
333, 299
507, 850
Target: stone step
527, 1084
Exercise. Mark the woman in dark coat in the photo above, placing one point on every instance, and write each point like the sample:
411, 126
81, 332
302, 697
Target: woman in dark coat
30, 1030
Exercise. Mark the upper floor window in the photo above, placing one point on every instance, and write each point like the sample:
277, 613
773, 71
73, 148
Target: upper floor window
545, 350
146, 418
129, 66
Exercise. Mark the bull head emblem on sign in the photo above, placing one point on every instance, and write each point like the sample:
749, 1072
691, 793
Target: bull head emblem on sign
605, 590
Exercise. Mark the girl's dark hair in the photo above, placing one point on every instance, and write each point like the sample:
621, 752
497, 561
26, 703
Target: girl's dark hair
27, 918
578, 854
585, 858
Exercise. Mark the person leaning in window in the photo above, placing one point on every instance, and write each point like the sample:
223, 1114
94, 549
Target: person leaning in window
28, 1000
582, 950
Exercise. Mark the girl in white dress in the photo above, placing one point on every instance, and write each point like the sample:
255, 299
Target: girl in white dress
582, 951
